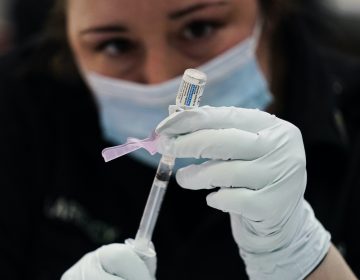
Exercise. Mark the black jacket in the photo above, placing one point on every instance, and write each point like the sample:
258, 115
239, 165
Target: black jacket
60, 199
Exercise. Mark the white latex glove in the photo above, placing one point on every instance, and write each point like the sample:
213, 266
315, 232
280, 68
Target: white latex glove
112, 262
258, 162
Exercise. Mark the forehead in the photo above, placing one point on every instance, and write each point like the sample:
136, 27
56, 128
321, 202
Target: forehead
148, 17
99, 6
124, 4
96, 10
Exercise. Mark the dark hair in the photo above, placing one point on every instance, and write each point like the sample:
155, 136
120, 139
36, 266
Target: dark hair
61, 62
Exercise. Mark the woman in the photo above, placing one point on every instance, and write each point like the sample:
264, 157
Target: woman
65, 201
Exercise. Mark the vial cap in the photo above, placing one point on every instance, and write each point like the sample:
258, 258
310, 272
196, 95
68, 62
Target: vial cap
195, 77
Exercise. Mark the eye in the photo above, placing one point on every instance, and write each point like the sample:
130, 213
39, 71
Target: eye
116, 47
200, 29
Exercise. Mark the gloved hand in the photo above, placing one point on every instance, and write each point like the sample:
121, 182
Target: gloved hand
112, 262
258, 163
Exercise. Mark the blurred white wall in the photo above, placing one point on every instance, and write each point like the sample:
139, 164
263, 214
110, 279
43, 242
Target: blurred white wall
349, 8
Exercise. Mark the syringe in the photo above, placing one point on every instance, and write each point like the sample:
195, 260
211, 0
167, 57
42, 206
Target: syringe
188, 96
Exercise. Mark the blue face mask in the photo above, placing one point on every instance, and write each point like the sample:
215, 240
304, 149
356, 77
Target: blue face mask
129, 109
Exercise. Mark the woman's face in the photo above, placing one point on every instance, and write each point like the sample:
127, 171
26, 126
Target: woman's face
151, 41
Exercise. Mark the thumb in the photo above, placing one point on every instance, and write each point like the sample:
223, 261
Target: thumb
121, 260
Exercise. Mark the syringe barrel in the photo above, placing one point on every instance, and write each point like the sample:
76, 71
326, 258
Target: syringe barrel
189, 94
154, 201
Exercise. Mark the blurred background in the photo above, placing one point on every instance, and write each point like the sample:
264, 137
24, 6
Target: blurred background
342, 16
21, 20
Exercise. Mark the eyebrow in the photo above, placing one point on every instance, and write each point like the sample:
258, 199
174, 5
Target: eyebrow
194, 8
105, 28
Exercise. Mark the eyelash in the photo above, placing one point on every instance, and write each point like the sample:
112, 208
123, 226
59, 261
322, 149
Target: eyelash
214, 25
122, 45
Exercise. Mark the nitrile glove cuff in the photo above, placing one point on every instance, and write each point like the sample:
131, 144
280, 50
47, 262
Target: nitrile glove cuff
300, 257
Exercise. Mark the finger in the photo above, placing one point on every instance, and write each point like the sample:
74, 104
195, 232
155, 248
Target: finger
221, 144
206, 117
122, 261
88, 267
249, 203
94, 270
231, 174
257, 204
